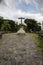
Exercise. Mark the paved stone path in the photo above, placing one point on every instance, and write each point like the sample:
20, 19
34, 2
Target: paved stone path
19, 50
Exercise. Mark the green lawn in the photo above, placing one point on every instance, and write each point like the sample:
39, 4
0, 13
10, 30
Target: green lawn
38, 41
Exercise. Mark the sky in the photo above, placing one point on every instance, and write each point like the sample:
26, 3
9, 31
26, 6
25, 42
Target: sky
13, 9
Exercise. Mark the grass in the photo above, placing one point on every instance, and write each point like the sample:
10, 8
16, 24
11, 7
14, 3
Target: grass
38, 41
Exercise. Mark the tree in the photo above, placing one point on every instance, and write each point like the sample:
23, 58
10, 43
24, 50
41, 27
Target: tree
5, 26
8, 25
32, 25
12, 25
1, 22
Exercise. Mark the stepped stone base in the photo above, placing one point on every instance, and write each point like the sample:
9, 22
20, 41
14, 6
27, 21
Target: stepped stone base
21, 31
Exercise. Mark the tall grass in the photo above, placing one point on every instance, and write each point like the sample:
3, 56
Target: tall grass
38, 41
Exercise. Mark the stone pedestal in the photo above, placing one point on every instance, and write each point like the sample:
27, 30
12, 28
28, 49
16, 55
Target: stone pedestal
21, 31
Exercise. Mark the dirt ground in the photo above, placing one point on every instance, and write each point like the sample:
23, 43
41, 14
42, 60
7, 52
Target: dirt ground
19, 50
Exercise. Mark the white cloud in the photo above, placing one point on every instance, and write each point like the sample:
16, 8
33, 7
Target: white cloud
13, 13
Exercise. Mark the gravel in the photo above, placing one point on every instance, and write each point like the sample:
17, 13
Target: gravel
19, 50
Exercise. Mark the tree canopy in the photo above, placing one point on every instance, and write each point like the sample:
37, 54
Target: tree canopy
1, 22
32, 25
8, 25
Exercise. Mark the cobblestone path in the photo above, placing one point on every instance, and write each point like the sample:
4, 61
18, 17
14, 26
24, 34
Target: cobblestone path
19, 50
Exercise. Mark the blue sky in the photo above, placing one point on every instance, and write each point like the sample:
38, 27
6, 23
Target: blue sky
12, 9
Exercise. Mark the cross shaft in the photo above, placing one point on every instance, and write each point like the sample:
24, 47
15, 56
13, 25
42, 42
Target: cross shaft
21, 19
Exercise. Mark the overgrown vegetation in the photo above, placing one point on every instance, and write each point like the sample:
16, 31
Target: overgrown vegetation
11, 26
38, 41
32, 25
7, 25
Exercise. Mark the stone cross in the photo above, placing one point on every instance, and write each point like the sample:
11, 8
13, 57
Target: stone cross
21, 19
